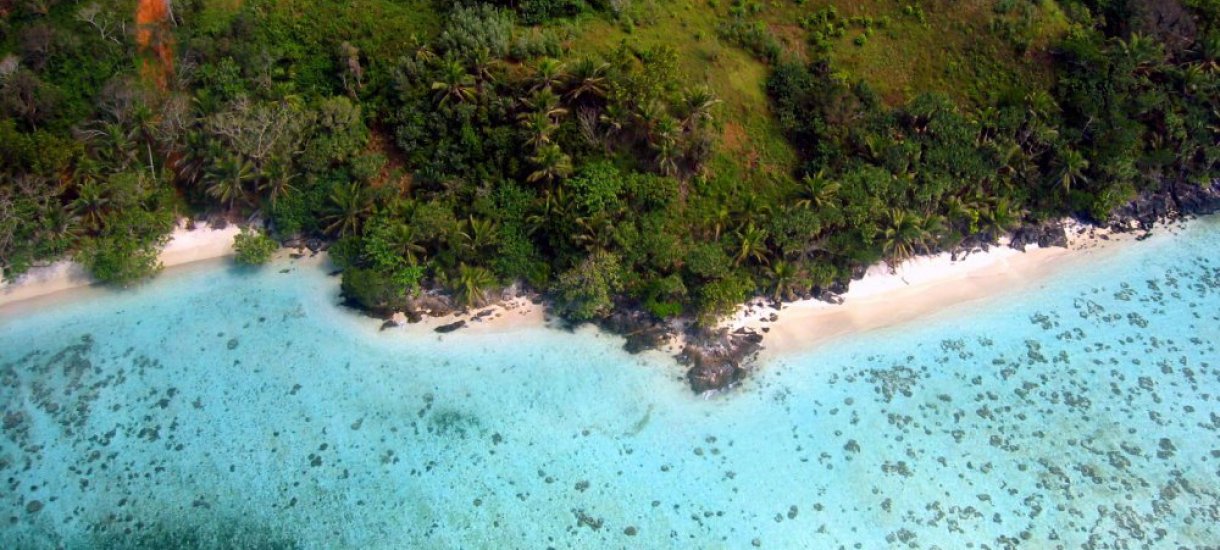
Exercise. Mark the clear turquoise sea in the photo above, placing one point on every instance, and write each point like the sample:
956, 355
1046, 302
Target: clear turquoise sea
221, 407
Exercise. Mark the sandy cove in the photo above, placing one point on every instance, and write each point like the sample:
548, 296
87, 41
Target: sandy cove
185, 246
919, 287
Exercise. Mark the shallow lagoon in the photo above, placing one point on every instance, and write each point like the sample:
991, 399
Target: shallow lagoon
221, 406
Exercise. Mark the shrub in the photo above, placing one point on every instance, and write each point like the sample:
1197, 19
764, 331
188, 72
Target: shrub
586, 291
371, 290
254, 247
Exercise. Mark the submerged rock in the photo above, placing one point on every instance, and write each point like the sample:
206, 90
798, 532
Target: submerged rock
445, 329
398, 319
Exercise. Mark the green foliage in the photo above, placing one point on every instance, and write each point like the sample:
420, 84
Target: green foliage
482, 27
597, 188
709, 261
753, 37
371, 290
722, 296
586, 291
339, 134
533, 12
254, 247
466, 144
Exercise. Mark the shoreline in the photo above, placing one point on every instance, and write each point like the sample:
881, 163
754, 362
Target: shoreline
919, 287
185, 246
884, 297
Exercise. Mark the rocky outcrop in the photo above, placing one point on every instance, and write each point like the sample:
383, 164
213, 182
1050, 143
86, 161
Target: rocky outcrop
641, 330
1045, 235
719, 359
1197, 200
430, 304
1171, 201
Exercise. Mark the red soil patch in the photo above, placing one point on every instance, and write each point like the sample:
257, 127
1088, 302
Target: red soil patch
734, 137
395, 171
155, 41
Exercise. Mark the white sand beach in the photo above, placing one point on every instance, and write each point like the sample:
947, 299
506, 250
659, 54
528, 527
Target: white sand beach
918, 287
185, 246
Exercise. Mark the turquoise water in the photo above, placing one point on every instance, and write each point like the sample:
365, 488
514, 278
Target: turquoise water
217, 406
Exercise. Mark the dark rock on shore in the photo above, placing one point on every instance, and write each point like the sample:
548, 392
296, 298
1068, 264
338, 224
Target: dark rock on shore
719, 359
1197, 200
445, 329
1045, 235
430, 304
1171, 201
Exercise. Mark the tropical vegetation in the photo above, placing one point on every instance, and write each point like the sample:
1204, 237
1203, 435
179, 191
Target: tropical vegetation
674, 156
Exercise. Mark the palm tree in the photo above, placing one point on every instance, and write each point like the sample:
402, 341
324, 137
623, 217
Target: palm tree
229, 175
277, 182
785, 280
118, 149
753, 206
145, 126
86, 169
91, 204
932, 227
720, 219
455, 83
349, 204
596, 233
1072, 168
482, 63
903, 233
538, 128
471, 284
588, 79
957, 210
548, 74
477, 235
666, 145
818, 192
59, 226
752, 244
1000, 217
555, 206
648, 116
422, 51
405, 240
545, 101
1193, 77
1209, 53
1144, 52
552, 164
697, 106
616, 118
198, 152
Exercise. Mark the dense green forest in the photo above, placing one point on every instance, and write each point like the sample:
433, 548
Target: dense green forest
672, 156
